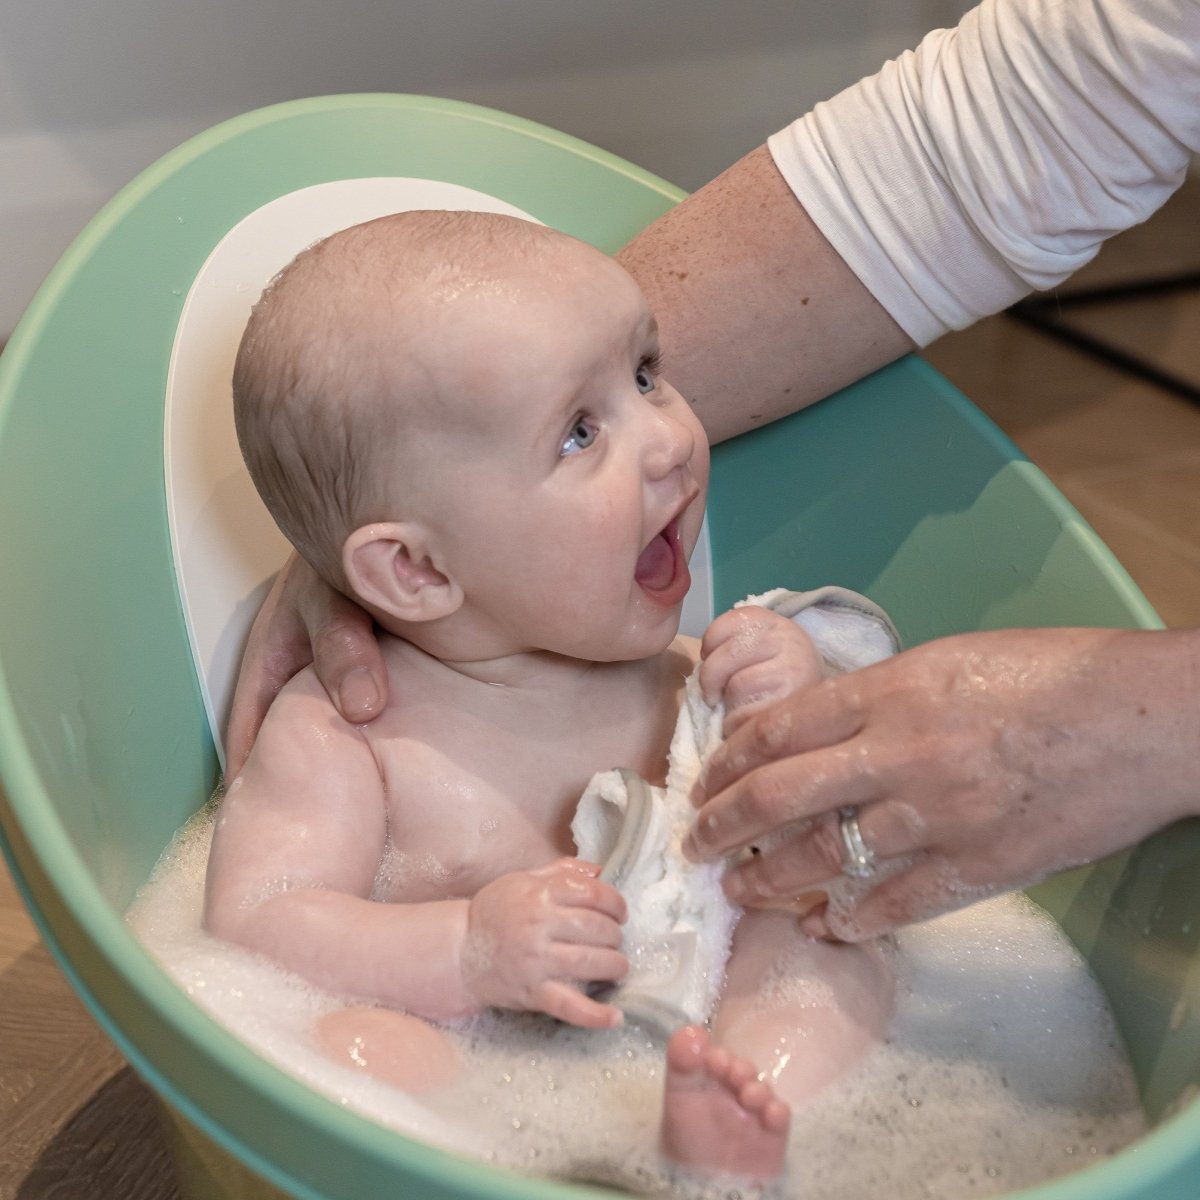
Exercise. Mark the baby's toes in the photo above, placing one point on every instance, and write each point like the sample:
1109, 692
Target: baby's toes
687, 1050
738, 1073
775, 1115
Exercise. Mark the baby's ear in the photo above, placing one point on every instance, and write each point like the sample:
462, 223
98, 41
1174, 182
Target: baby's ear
389, 567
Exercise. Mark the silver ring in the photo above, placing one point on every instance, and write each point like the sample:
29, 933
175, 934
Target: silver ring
860, 860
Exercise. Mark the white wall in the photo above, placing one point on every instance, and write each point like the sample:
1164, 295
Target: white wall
90, 93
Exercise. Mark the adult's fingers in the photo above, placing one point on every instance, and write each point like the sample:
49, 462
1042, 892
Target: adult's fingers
777, 794
276, 649
303, 621
346, 655
252, 697
927, 889
812, 852
824, 714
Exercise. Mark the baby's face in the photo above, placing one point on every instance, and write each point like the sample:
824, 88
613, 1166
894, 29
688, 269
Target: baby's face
571, 476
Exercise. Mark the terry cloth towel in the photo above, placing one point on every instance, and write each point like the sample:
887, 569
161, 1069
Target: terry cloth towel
680, 925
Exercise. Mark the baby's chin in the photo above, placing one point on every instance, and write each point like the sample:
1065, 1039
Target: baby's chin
639, 644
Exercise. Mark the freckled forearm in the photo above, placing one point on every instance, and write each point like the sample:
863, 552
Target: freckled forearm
759, 314
1154, 684
404, 955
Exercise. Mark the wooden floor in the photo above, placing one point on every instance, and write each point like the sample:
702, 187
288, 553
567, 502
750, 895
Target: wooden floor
76, 1123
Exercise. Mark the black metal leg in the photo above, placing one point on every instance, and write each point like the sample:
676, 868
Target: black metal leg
1048, 314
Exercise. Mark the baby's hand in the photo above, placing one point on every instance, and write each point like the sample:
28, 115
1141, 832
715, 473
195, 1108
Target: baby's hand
533, 936
752, 657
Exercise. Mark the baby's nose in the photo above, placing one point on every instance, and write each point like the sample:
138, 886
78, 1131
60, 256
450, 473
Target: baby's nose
671, 446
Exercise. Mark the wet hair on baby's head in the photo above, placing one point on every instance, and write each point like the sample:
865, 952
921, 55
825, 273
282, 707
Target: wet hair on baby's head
318, 403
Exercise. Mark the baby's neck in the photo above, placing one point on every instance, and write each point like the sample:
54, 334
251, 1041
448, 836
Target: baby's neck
531, 673
571, 717
527, 671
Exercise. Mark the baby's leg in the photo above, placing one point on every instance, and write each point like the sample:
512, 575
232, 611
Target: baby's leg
804, 1011
389, 1045
717, 1113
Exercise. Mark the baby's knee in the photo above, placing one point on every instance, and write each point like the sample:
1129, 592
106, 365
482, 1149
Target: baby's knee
388, 1045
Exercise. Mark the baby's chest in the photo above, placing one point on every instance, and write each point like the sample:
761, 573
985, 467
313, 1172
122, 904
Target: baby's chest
456, 821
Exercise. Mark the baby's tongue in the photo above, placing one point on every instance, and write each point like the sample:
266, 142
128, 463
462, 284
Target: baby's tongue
656, 565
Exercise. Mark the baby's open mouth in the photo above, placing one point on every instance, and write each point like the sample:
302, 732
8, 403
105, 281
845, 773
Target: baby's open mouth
662, 569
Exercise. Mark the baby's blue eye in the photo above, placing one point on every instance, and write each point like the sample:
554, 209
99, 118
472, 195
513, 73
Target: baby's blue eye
644, 378
582, 435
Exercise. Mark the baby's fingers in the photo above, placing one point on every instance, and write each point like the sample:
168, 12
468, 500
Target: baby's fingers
580, 891
752, 688
570, 1005
738, 630
588, 964
735, 640
586, 927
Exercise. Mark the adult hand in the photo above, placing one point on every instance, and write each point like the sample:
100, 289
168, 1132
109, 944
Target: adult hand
534, 936
977, 764
303, 620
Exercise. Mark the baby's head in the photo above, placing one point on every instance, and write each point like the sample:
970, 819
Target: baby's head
456, 418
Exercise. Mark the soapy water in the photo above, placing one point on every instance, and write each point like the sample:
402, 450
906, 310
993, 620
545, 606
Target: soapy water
1002, 1066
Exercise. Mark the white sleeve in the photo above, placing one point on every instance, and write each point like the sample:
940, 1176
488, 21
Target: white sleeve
996, 158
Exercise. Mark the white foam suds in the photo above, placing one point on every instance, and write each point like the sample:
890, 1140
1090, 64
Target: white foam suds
1002, 1068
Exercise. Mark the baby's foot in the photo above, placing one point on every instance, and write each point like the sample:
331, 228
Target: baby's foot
717, 1113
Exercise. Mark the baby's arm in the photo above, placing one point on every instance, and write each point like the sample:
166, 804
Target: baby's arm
751, 657
298, 842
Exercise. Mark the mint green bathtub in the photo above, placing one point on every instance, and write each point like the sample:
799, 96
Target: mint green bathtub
898, 488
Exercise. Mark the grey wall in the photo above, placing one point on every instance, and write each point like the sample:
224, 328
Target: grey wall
90, 93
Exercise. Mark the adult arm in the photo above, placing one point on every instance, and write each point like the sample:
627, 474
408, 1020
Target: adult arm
759, 316
992, 161
982, 762
997, 157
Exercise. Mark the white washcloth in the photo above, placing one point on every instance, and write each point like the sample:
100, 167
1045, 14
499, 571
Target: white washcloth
680, 925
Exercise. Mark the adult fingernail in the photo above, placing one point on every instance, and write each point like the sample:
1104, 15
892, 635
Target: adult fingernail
693, 850
358, 697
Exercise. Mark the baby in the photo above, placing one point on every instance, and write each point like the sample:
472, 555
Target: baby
458, 419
